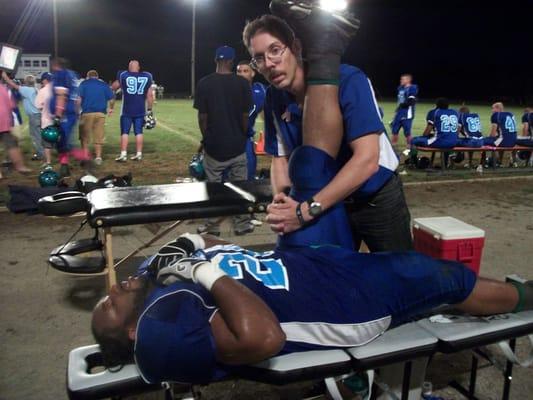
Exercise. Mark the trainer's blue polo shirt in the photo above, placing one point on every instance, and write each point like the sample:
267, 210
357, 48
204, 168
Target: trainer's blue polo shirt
94, 94
360, 112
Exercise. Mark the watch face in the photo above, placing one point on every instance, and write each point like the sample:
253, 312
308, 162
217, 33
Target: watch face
315, 209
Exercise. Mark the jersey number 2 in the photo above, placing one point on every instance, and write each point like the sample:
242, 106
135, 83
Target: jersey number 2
270, 272
136, 85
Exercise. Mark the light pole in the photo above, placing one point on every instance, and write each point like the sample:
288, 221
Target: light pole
193, 49
56, 44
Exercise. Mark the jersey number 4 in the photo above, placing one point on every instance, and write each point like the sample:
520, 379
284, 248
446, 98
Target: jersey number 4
269, 271
510, 125
136, 85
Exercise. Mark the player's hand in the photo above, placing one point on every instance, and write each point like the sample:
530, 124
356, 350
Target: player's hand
175, 250
179, 271
4, 75
110, 111
56, 120
281, 214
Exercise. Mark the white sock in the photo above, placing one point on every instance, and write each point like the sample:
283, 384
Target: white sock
139, 153
123, 153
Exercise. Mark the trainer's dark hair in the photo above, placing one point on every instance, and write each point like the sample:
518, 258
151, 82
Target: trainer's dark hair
442, 103
116, 347
464, 110
268, 24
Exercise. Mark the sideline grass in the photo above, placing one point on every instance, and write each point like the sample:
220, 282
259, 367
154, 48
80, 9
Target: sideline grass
170, 146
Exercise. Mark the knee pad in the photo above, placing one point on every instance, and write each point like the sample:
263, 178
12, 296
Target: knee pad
310, 169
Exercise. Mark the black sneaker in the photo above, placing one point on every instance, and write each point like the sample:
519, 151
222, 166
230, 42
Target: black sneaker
64, 171
325, 35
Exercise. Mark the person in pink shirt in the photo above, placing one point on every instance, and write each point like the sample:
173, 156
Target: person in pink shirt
6, 124
42, 101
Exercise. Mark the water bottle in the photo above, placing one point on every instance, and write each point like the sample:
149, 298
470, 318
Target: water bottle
427, 392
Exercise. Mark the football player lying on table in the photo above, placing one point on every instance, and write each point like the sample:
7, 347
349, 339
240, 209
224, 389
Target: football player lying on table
196, 311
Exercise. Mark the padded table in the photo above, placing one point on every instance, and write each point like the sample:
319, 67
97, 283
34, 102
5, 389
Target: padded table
159, 203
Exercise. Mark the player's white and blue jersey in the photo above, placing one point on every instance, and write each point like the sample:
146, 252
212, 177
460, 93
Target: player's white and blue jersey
324, 297
67, 80
445, 124
258, 98
360, 112
406, 94
135, 86
471, 125
507, 132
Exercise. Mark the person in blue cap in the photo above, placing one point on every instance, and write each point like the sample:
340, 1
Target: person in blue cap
223, 101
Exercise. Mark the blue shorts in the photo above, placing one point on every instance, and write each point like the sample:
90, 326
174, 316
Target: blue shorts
440, 143
509, 141
400, 122
470, 142
410, 285
127, 122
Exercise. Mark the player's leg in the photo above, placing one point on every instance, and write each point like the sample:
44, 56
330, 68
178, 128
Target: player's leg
407, 126
238, 171
125, 127
64, 145
138, 124
494, 297
324, 37
396, 125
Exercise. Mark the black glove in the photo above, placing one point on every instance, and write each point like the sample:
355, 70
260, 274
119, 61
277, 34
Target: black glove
173, 251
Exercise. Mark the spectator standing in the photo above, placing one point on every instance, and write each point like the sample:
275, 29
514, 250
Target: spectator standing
28, 93
94, 97
223, 101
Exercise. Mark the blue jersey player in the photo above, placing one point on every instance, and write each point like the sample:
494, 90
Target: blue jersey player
470, 134
527, 129
405, 113
442, 128
63, 106
224, 306
503, 131
258, 99
137, 102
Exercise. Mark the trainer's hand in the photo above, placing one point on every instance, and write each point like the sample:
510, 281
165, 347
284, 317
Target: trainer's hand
110, 112
281, 214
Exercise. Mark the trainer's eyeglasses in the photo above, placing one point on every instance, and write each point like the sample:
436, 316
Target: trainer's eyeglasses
274, 54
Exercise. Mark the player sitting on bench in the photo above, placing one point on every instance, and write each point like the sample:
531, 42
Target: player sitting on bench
503, 132
442, 128
194, 314
469, 131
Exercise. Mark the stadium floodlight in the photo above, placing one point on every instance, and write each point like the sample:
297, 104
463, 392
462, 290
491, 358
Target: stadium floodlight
333, 5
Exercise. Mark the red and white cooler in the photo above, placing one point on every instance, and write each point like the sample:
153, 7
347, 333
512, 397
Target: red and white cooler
449, 239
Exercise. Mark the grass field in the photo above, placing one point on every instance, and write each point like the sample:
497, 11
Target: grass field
169, 147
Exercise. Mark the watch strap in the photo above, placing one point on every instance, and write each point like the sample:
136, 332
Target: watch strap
299, 214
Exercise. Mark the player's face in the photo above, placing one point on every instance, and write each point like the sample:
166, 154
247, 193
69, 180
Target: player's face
279, 64
118, 307
496, 108
405, 80
134, 66
246, 72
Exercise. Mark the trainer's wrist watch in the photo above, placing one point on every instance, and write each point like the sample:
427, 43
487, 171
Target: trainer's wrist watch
315, 208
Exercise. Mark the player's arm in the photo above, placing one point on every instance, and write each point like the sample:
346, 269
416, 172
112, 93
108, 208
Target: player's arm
150, 99
61, 100
429, 129
494, 130
279, 174
525, 129
245, 329
9, 81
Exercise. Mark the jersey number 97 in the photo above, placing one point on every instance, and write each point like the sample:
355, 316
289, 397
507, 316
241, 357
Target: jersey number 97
136, 85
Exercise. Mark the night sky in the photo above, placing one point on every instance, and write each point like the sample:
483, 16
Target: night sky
465, 50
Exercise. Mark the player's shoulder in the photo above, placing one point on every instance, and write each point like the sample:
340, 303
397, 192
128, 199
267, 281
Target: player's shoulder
258, 87
348, 72
146, 74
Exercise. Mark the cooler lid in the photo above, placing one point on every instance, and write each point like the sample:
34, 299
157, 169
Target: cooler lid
448, 228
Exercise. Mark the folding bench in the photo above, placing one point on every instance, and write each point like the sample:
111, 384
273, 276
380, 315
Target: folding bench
470, 333
490, 149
